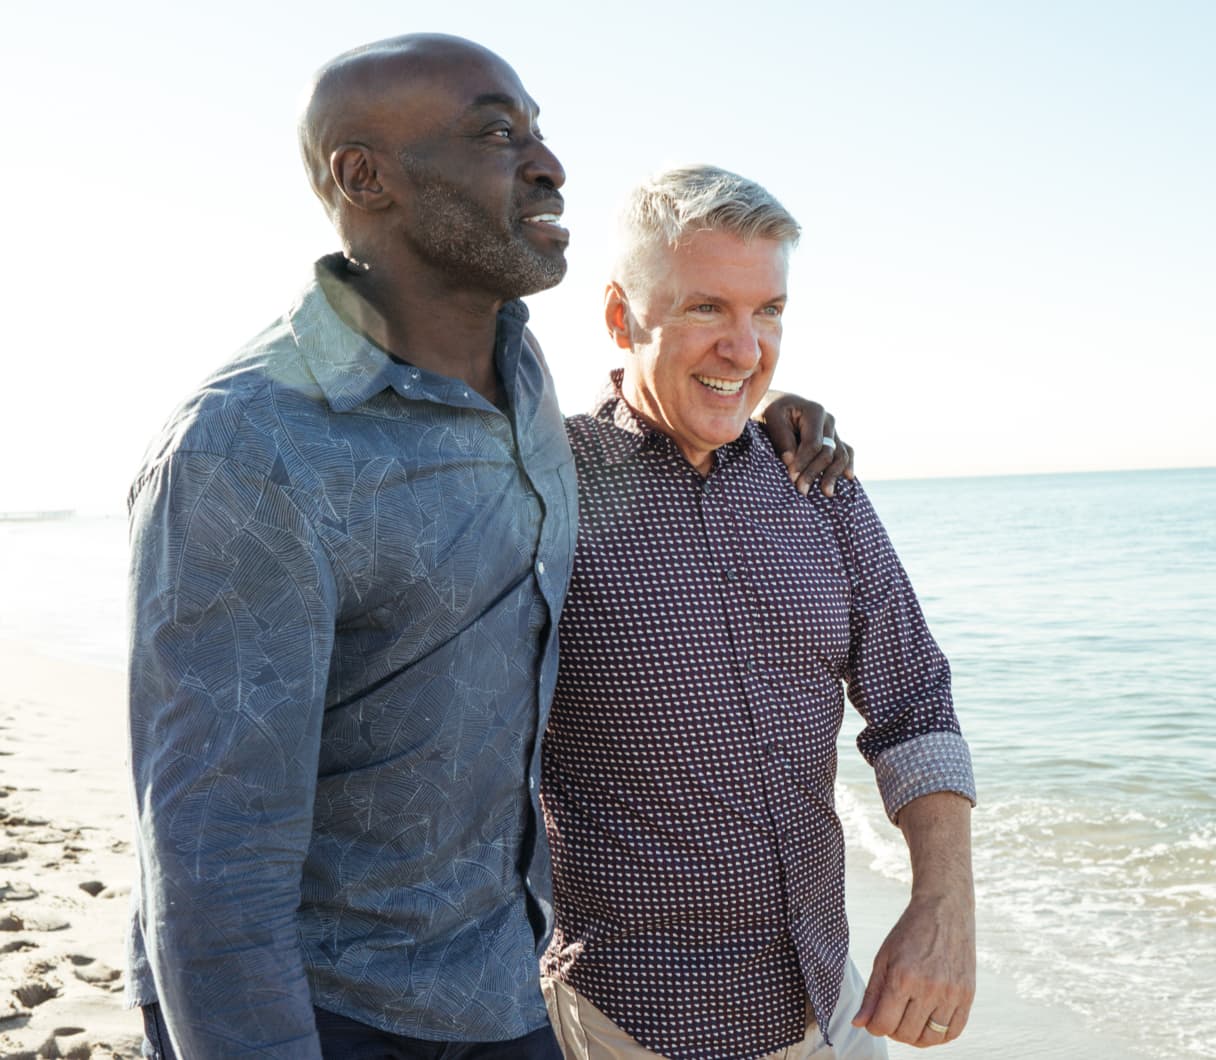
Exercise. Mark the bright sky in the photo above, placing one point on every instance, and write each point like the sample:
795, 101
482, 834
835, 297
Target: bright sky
1009, 260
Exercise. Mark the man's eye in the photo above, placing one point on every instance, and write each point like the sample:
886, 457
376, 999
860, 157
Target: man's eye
772, 310
504, 133
705, 307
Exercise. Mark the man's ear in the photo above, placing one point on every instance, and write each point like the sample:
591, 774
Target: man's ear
353, 168
618, 316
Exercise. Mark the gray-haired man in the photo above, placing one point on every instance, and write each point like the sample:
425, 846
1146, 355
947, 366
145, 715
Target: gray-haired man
713, 616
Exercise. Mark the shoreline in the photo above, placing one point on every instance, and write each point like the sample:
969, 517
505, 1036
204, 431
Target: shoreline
1003, 1025
66, 867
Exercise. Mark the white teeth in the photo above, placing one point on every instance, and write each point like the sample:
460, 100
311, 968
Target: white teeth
545, 218
723, 386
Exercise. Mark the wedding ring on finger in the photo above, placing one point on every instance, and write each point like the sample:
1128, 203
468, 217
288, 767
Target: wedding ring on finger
829, 443
933, 1025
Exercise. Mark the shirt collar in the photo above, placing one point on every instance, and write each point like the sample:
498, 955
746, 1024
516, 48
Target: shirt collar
633, 434
349, 368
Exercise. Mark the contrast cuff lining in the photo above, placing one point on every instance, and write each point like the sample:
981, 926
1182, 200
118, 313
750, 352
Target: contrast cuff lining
937, 761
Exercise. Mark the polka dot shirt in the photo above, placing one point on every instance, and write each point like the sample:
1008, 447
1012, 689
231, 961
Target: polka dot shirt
710, 629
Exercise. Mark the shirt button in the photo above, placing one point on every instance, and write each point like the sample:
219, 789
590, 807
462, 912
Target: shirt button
540, 567
732, 575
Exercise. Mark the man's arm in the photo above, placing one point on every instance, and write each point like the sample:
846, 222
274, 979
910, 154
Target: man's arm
233, 620
925, 969
900, 682
803, 433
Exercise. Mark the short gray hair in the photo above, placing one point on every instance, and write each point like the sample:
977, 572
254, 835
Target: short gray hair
696, 198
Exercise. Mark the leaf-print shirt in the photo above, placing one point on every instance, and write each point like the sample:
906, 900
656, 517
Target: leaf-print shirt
346, 575
689, 765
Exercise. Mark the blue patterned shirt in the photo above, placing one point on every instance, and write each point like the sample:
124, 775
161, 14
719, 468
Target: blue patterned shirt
345, 582
711, 628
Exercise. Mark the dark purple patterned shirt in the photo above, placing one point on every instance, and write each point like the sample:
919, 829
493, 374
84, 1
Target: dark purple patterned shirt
690, 759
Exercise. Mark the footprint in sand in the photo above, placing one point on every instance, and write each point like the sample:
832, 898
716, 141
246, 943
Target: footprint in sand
90, 970
17, 892
33, 922
17, 945
35, 993
20, 820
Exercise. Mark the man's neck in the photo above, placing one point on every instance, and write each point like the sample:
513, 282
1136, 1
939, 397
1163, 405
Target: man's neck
450, 332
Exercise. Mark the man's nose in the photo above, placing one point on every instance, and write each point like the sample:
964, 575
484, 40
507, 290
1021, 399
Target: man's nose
741, 345
543, 167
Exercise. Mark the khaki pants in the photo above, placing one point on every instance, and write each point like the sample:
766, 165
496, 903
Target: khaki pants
585, 1033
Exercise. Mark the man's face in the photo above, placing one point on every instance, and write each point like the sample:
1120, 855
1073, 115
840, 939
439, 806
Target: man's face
480, 186
704, 338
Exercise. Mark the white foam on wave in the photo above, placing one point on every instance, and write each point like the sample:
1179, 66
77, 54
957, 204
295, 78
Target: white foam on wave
1108, 911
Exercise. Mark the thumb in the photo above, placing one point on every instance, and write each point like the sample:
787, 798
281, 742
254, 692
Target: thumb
869, 1001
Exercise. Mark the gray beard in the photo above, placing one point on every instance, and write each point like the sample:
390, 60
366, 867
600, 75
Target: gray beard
478, 250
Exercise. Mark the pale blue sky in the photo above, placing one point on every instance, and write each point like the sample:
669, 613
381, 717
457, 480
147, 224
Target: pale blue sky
1010, 249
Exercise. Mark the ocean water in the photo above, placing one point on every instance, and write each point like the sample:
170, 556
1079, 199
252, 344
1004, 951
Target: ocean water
1079, 614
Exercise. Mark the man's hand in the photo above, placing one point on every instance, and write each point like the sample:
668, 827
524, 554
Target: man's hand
803, 433
924, 973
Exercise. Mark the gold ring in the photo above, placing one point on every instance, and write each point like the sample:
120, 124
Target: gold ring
941, 1028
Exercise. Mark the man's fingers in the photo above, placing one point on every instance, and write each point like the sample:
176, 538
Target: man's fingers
787, 422
958, 1021
784, 436
891, 1018
869, 1000
841, 463
943, 1015
812, 456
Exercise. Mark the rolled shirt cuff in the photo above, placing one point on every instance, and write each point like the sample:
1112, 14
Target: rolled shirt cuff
937, 761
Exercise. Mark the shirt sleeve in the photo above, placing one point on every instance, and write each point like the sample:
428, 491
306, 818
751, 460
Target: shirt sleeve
232, 606
898, 678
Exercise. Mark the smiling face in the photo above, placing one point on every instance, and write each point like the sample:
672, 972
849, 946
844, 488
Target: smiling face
426, 152
481, 202
703, 327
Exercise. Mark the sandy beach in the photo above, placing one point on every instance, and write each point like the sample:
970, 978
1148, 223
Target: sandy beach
66, 867
65, 860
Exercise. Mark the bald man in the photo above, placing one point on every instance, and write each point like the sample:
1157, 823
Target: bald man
350, 548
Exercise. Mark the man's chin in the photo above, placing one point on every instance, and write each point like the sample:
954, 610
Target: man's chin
546, 272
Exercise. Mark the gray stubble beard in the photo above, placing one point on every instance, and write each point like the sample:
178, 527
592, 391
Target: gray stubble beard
474, 247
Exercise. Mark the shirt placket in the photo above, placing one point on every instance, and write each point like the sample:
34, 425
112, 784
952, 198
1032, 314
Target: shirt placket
741, 581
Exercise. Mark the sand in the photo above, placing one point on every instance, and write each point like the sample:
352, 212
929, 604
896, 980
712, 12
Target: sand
66, 867
65, 860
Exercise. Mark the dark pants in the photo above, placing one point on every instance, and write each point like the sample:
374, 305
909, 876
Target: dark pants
347, 1039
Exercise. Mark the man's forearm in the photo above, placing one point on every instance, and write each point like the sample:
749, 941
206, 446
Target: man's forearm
937, 829
923, 981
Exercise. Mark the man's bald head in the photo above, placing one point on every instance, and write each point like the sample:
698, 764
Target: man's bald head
364, 96
426, 152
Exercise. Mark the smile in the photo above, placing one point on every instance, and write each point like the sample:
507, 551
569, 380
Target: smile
550, 222
720, 386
